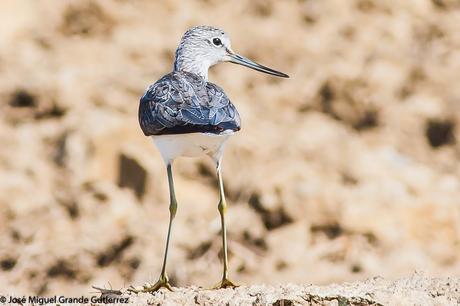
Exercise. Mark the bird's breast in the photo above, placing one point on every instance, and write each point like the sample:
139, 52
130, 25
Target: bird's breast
191, 145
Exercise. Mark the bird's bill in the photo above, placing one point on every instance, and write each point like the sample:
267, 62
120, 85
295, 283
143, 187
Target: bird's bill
241, 60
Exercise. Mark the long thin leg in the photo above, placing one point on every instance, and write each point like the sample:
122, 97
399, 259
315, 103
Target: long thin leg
225, 283
164, 281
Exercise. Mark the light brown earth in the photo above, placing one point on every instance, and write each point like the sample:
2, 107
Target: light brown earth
348, 170
415, 290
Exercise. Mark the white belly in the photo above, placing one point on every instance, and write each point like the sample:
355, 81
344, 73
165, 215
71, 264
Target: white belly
191, 145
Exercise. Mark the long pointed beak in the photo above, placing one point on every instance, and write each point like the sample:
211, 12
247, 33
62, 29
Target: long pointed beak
241, 60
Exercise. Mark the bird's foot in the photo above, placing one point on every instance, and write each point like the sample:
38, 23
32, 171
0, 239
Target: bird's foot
163, 282
225, 283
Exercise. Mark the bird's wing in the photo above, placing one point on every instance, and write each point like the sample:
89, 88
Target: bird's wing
184, 103
222, 110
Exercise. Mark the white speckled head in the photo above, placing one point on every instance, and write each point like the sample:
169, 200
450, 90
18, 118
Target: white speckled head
204, 46
200, 48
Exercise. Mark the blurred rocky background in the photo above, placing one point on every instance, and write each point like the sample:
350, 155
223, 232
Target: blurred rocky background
348, 170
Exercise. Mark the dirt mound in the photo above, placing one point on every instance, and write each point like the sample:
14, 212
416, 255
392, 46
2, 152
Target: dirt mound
415, 290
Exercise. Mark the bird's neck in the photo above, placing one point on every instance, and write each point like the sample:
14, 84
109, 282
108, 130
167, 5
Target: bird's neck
192, 64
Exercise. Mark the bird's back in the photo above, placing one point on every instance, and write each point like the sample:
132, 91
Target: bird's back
182, 102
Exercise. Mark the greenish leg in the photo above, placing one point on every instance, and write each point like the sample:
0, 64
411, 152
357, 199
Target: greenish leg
225, 283
164, 281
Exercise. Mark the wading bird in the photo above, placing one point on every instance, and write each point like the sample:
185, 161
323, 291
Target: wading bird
188, 116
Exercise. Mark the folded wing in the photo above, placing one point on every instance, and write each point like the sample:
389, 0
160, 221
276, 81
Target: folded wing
182, 102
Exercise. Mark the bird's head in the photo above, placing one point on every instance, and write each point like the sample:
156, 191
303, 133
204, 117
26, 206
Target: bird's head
204, 46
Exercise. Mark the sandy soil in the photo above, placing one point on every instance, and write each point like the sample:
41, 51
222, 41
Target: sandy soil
415, 290
348, 170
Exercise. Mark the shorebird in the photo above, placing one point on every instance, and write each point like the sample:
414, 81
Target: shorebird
188, 116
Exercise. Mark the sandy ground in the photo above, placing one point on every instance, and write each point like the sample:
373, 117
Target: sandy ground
415, 290
348, 170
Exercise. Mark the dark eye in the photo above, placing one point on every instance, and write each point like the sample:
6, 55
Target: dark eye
217, 42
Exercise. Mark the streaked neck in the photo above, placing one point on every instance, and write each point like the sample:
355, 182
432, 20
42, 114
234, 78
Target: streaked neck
193, 62
193, 66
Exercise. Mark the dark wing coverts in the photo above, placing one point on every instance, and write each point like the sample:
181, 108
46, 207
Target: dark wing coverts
182, 102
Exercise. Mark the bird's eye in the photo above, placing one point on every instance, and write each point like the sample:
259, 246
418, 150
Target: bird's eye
217, 42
